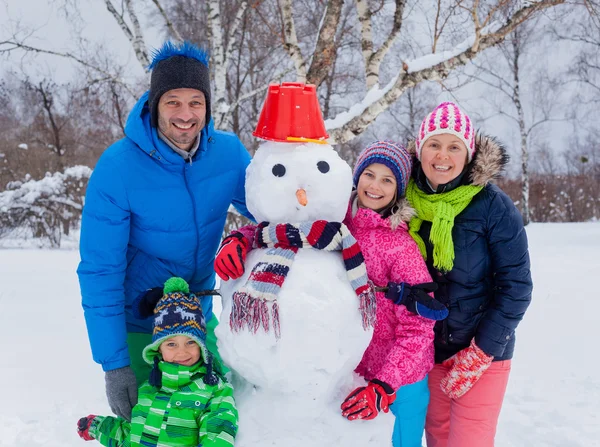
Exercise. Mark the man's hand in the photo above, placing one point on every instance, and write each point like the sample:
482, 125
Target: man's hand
366, 402
121, 391
83, 427
417, 300
466, 368
230, 259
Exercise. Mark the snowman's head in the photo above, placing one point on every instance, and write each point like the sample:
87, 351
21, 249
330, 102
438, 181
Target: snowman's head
288, 182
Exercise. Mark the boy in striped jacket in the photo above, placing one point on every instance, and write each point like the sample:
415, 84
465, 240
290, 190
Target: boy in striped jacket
186, 401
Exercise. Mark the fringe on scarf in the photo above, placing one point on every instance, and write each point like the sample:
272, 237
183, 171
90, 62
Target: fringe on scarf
255, 304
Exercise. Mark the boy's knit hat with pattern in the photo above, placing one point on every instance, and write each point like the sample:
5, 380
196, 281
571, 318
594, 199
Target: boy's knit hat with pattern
388, 153
447, 118
178, 312
178, 66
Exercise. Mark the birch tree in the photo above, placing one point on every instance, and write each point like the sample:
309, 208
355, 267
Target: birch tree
528, 95
312, 56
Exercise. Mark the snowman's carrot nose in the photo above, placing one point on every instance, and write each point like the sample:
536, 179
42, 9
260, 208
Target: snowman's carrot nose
301, 196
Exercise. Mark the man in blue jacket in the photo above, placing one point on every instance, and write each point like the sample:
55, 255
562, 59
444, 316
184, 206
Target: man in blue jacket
155, 207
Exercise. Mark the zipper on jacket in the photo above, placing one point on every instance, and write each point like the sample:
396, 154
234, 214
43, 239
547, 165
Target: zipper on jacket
187, 186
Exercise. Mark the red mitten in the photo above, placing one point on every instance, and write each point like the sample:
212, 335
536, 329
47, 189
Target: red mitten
230, 259
83, 427
366, 402
466, 368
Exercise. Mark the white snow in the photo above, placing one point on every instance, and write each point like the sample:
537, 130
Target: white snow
48, 380
372, 96
23, 146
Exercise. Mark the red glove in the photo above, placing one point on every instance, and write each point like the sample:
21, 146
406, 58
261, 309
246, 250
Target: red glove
83, 427
366, 402
230, 259
466, 368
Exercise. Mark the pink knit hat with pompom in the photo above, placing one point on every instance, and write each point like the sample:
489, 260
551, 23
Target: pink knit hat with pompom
447, 118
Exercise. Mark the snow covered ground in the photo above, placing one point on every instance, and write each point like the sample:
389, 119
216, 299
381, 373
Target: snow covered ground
48, 380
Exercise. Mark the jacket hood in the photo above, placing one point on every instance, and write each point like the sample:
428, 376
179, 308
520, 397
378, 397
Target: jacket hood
401, 214
140, 131
488, 163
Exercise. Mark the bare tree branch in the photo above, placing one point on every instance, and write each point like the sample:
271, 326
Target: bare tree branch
345, 130
135, 37
168, 22
18, 45
231, 41
138, 40
326, 48
290, 43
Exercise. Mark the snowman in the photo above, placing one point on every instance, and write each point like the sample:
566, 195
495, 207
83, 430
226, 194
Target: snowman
299, 318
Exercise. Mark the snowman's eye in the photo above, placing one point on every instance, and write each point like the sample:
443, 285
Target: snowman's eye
323, 166
278, 170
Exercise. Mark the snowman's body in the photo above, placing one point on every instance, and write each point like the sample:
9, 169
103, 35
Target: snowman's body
289, 389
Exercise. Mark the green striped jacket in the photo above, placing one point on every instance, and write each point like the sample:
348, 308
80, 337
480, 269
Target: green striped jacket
185, 412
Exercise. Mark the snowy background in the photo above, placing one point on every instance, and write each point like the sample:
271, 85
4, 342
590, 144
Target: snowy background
48, 379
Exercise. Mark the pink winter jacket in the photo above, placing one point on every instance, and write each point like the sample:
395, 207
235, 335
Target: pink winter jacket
401, 350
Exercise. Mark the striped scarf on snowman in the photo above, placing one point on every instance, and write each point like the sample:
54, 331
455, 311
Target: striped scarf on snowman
255, 303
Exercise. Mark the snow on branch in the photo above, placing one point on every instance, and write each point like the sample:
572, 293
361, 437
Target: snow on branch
432, 67
46, 208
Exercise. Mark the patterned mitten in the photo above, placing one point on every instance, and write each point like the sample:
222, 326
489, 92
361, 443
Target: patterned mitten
230, 259
366, 402
466, 368
417, 300
83, 427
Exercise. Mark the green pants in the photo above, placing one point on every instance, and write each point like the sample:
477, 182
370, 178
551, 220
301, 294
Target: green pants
137, 341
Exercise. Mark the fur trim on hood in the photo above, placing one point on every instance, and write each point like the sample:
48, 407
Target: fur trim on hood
402, 212
489, 160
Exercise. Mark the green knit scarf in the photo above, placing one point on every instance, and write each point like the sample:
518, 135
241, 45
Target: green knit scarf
440, 210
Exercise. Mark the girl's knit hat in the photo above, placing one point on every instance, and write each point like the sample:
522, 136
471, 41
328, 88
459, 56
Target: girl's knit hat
447, 118
388, 153
177, 312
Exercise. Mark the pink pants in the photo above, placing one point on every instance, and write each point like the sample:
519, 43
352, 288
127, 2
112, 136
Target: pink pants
470, 420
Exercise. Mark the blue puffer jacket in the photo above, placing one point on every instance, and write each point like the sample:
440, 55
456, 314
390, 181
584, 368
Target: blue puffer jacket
489, 288
150, 215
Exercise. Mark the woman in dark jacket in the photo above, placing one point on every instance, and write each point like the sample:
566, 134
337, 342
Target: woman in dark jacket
473, 239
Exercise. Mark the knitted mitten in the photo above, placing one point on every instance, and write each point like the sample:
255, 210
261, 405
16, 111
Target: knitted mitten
466, 368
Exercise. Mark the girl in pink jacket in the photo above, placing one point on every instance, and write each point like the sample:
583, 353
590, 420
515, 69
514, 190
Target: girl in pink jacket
400, 354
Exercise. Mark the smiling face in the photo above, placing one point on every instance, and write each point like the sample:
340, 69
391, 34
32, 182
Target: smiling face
181, 116
181, 350
443, 158
376, 187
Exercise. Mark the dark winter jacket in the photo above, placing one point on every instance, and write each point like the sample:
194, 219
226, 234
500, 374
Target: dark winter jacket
489, 287
150, 215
